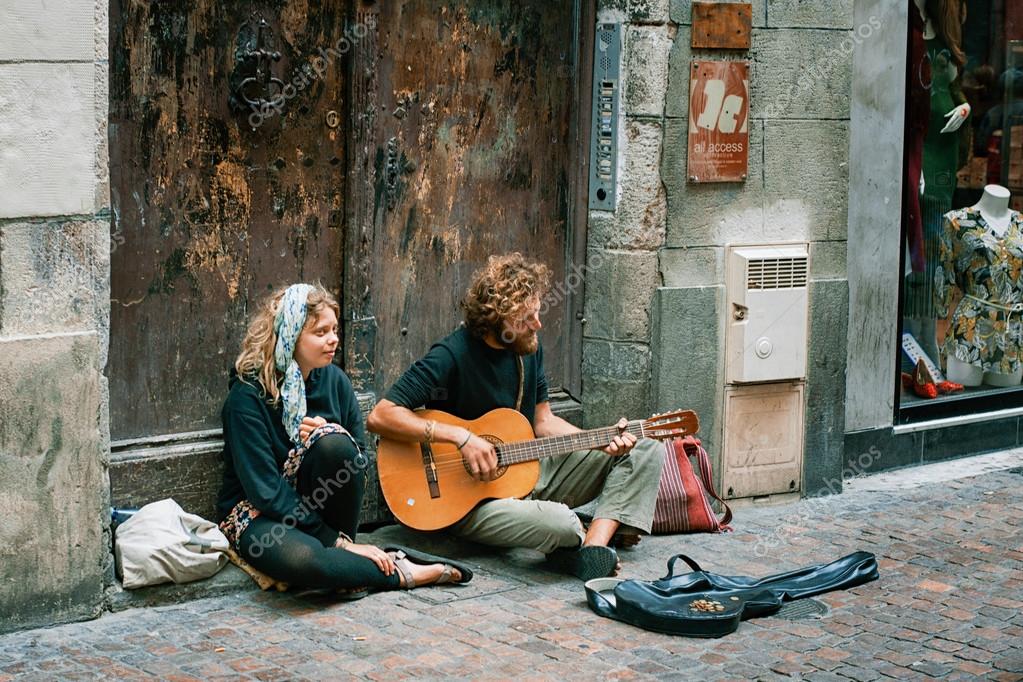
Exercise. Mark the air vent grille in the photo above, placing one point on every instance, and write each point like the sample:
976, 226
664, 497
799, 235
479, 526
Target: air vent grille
776, 273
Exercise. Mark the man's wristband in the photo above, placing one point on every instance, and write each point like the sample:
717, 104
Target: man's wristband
468, 435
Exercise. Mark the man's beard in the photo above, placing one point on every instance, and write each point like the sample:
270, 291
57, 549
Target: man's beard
524, 344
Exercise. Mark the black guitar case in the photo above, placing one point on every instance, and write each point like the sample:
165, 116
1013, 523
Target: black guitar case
704, 604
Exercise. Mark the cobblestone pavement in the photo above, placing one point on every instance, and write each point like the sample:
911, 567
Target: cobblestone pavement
947, 606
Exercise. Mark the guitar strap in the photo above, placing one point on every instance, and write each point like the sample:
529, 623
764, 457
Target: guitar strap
518, 401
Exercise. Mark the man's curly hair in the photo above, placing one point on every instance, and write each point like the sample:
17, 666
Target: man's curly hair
500, 291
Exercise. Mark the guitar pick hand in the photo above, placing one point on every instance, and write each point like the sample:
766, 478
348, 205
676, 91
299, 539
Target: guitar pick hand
481, 457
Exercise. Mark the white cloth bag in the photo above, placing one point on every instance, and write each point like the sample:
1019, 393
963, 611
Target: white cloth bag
163, 543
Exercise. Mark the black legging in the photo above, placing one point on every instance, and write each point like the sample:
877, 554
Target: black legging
332, 479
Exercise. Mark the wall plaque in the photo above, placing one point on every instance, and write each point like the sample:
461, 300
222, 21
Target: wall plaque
724, 25
718, 122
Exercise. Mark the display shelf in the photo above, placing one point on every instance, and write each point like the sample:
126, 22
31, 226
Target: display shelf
971, 400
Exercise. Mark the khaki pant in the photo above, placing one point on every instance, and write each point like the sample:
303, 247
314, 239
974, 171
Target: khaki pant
625, 489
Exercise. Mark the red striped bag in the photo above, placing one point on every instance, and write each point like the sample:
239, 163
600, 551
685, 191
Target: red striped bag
682, 498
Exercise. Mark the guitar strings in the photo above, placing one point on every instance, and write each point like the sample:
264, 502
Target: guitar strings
535, 448
456, 461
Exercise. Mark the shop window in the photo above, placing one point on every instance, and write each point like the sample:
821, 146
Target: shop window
962, 293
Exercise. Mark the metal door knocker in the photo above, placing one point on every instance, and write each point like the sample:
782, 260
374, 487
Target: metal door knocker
254, 87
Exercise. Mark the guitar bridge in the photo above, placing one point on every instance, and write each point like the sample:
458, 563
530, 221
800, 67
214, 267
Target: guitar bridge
430, 467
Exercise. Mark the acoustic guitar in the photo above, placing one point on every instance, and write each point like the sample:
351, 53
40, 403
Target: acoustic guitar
428, 486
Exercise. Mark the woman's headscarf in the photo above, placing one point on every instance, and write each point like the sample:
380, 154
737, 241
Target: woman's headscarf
288, 325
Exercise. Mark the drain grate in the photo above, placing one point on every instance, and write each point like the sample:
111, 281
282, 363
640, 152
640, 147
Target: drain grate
803, 609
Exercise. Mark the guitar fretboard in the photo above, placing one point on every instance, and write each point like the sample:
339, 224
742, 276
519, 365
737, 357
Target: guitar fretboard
530, 450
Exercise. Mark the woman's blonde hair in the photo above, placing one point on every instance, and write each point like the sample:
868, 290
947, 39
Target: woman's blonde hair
256, 361
500, 290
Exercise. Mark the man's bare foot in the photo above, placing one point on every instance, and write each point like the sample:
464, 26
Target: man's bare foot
625, 538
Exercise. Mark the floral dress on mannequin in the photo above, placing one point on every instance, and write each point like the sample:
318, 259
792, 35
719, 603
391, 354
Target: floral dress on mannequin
983, 267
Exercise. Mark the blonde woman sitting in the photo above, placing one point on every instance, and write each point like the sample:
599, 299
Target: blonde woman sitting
295, 462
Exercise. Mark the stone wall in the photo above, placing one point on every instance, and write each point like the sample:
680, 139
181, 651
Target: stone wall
54, 311
655, 287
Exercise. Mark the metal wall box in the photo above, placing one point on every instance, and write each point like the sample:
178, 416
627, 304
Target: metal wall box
768, 311
607, 86
723, 25
762, 450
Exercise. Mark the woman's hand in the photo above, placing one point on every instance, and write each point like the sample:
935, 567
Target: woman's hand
308, 425
378, 556
956, 118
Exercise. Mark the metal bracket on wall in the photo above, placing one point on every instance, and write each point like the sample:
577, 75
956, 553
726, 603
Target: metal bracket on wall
607, 52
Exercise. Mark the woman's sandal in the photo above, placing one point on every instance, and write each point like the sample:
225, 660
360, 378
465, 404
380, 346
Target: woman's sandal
404, 558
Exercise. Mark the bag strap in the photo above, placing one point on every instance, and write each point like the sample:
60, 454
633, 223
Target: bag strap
671, 565
522, 381
708, 478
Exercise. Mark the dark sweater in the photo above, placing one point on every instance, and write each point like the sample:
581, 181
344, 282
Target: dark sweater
256, 444
464, 376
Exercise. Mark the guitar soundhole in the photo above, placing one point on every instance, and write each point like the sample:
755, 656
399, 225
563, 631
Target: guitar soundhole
495, 441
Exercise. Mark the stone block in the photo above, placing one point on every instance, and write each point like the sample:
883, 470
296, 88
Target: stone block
101, 31
646, 72
681, 12
695, 267
793, 73
606, 401
875, 450
825, 387
806, 179
54, 277
687, 351
827, 260
618, 361
101, 198
810, 14
47, 139
54, 478
51, 31
633, 11
619, 288
639, 221
801, 73
676, 104
714, 213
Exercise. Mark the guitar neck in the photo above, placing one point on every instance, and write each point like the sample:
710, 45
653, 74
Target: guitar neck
531, 450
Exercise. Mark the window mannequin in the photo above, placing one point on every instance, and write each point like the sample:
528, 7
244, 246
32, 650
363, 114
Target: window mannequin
982, 260
946, 112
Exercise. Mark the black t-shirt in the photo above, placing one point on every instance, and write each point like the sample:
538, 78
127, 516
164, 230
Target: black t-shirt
256, 444
464, 376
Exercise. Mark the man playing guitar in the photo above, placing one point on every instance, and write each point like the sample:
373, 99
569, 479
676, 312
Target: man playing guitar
495, 360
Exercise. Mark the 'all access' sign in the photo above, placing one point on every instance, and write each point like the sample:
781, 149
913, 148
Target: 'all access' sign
718, 122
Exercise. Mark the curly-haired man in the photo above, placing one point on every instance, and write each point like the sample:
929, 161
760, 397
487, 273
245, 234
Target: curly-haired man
496, 360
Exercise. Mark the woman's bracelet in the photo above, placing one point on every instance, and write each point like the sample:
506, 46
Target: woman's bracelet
342, 541
429, 430
468, 435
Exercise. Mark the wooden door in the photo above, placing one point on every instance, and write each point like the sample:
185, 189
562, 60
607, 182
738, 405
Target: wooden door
466, 142
215, 201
